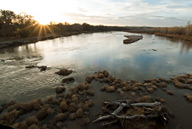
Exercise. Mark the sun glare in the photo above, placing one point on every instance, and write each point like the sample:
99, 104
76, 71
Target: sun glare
43, 21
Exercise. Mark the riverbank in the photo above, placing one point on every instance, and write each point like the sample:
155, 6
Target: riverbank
172, 36
179, 37
12, 41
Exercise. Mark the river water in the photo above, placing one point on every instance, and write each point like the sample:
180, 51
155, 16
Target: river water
151, 57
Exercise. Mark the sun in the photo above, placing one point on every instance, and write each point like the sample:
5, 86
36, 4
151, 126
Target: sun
43, 21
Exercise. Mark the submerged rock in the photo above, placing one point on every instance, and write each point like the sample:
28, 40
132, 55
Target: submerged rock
169, 92
68, 80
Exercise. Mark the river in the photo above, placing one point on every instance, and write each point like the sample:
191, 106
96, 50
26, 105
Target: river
151, 57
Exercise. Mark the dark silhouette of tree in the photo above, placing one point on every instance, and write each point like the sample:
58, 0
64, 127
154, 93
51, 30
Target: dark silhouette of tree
7, 18
86, 27
23, 25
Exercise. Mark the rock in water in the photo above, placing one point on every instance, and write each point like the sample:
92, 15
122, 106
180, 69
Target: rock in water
42, 68
59, 89
30, 66
64, 72
68, 80
110, 89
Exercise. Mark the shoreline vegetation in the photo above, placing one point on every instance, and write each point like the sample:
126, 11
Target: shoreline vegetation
22, 29
180, 33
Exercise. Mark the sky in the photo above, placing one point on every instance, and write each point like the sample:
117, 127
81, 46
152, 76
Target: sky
106, 12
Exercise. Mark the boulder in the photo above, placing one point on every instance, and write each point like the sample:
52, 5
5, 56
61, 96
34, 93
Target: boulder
68, 80
64, 72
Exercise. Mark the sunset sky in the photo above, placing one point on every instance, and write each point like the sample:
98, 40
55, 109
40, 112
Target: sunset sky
107, 12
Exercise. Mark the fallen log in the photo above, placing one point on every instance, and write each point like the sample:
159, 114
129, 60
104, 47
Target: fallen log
152, 110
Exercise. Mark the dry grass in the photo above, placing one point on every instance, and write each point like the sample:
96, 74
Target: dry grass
183, 33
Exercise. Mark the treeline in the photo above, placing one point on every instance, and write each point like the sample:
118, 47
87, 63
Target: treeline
23, 25
184, 31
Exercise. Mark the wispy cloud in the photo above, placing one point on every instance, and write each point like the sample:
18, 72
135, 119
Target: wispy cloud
110, 12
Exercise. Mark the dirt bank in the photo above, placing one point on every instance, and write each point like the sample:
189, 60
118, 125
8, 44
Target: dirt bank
11, 41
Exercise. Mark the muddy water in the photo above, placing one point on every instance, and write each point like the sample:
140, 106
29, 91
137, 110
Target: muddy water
151, 57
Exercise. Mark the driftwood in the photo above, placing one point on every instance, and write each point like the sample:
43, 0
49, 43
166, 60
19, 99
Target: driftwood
116, 115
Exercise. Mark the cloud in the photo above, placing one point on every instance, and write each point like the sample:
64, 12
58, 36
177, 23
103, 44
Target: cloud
82, 10
116, 12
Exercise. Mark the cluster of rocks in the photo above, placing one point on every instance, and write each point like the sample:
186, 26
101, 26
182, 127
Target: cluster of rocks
182, 82
113, 84
51, 112
75, 102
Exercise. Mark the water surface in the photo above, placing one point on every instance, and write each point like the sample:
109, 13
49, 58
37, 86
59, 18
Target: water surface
151, 57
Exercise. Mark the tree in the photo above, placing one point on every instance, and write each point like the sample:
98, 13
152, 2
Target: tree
7, 18
86, 27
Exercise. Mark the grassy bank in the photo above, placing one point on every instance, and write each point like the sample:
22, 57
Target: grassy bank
180, 37
182, 33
